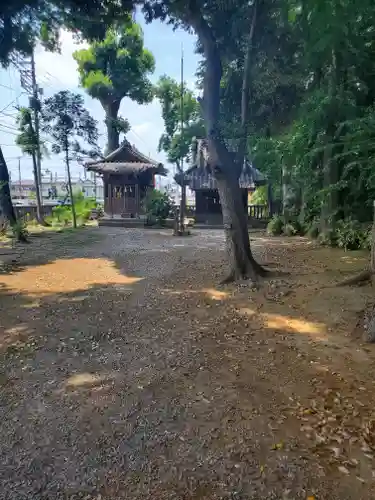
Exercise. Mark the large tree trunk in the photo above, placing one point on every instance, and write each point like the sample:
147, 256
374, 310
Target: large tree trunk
225, 168
241, 261
330, 164
6, 204
113, 135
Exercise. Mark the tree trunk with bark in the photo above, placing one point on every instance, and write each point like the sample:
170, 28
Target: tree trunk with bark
6, 204
225, 168
5, 197
74, 216
113, 135
241, 261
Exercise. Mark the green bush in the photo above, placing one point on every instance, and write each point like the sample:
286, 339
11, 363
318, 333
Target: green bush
290, 230
313, 231
275, 226
19, 230
299, 227
367, 239
62, 214
328, 238
350, 234
158, 206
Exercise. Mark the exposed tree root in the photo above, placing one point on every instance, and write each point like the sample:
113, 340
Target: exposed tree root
234, 278
260, 270
360, 278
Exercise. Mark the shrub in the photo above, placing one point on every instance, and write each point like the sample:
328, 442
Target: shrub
83, 206
62, 214
313, 231
299, 227
328, 238
289, 230
20, 231
350, 234
158, 206
275, 226
367, 239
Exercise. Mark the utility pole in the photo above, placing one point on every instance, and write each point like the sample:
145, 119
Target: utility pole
19, 176
36, 108
28, 82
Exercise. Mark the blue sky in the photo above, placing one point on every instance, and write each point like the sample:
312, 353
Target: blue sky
58, 71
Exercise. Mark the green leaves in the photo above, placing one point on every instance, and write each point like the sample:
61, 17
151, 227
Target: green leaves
68, 123
175, 141
116, 67
25, 22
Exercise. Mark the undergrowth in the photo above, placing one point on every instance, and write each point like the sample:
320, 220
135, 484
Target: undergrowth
348, 234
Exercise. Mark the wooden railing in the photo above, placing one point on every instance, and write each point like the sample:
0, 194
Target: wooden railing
258, 211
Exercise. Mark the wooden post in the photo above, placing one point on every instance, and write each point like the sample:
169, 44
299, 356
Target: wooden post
269, 200
137, 200
110, 195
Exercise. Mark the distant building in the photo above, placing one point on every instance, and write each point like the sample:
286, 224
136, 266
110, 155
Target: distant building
57, 189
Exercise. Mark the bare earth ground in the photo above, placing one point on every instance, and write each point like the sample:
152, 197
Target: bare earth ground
126, 373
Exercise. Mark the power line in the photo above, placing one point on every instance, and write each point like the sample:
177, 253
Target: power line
6, 87
14, 100
7, 132
10, 127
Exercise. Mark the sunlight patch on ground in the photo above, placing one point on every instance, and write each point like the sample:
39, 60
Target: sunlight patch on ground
215, 294
212, 293
14, 334
353, 260
66, 276
84, 379
286, 323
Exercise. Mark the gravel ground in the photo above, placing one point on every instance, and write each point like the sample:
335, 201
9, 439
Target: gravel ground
125, 374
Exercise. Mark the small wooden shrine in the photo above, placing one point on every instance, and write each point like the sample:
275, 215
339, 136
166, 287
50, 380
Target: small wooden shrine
128, 175
200, 180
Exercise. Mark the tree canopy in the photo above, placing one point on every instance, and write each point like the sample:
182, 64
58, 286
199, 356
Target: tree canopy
115, 68
24, 22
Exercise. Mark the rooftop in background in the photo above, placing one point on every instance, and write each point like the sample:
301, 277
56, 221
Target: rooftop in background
200, 177
125, 160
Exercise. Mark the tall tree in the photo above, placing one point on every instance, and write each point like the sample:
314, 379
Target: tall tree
68, 123
115, 68
28, 142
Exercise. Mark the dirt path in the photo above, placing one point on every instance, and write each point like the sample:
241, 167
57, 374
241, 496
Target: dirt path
125, 374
